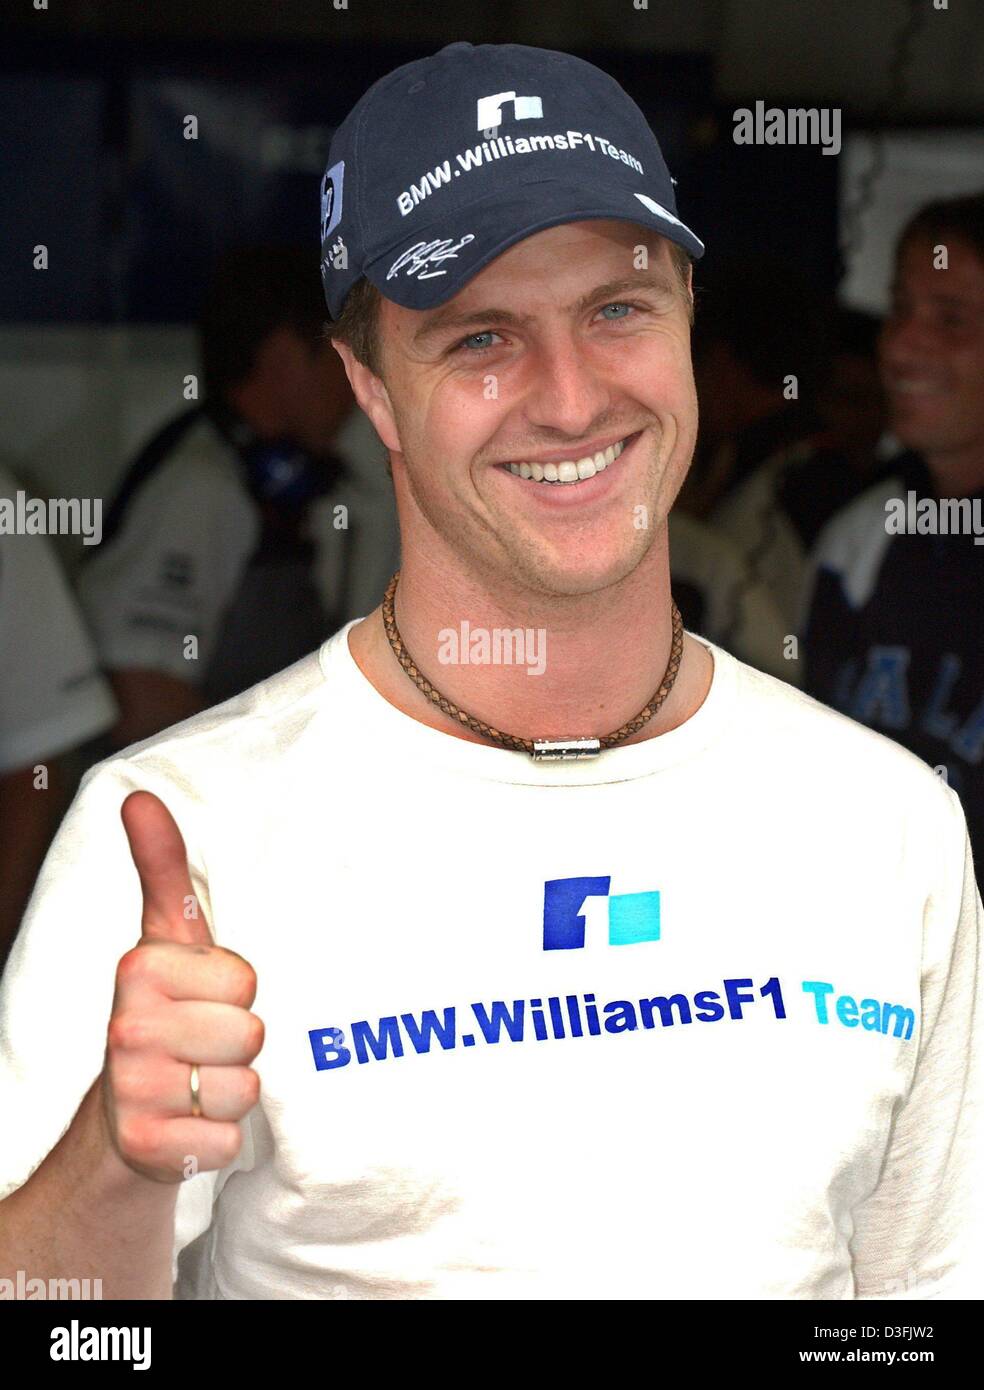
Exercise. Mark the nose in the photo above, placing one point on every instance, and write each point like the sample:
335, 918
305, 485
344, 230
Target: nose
906, 339
567, 392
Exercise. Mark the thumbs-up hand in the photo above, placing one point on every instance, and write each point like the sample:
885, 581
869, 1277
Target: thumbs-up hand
180, 1001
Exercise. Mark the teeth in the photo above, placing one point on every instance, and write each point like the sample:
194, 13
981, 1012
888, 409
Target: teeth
570, 471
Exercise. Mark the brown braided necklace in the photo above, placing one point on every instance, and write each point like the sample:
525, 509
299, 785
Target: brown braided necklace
567, 749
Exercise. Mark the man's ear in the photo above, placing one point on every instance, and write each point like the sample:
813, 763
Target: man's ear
371, 395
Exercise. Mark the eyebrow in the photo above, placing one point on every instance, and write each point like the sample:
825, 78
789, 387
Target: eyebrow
444, 320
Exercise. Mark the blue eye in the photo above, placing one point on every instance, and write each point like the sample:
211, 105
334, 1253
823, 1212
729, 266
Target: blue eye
480, 347
616, 306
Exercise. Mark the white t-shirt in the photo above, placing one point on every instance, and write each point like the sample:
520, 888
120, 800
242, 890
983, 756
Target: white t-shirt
694, 1019
52, 696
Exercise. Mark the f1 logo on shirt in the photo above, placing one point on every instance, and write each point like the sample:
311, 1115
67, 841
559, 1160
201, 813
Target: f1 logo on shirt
632, 917
490, 110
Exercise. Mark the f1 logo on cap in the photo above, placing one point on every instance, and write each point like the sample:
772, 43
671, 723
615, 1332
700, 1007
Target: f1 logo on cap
490, 110
331, 198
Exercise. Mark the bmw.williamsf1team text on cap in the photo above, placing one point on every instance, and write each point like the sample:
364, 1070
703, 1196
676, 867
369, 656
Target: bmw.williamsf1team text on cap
446, 162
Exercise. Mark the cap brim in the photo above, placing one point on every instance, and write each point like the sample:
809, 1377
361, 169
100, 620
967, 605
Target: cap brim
433, 262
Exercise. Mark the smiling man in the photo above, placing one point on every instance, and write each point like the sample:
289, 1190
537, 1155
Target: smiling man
638, 974
539, 432
892, 632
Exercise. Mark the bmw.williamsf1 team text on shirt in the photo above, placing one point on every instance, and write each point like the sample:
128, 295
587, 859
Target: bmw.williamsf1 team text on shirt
578, 1016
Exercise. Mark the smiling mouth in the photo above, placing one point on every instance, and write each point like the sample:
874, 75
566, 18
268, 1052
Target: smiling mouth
570, 471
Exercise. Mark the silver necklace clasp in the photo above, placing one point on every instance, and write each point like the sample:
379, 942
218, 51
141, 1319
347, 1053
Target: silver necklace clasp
565, 749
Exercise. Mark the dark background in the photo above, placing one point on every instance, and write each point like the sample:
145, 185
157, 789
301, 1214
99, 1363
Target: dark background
94, 164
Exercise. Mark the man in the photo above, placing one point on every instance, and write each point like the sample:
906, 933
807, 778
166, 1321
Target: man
532, 1026
776, 514
52, 700
892, 629
251, 525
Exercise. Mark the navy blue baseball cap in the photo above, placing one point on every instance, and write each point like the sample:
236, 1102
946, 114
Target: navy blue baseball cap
446, 162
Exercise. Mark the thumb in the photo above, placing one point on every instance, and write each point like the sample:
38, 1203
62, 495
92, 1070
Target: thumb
171, 911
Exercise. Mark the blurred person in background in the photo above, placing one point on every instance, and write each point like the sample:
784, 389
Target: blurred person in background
892, 621
52, 699
755, 327
775, 515
251, 525
721, 598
